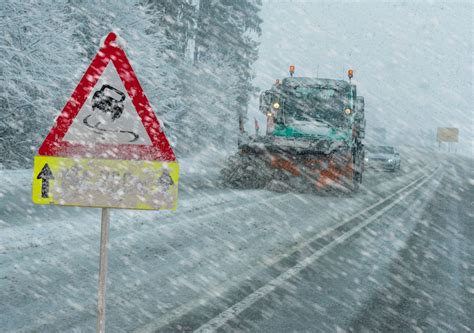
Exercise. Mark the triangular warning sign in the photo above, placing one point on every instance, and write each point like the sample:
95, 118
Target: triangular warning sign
108, 115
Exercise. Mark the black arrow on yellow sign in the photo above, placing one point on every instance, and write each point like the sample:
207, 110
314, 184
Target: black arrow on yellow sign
45, 175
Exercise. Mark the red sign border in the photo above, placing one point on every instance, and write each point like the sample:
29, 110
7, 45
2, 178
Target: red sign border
54, 145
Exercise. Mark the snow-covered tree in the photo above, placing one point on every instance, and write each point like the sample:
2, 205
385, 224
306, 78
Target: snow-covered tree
35, 66
193, 59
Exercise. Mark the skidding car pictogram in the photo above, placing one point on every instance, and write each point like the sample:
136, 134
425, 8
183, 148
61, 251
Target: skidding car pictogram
103, 101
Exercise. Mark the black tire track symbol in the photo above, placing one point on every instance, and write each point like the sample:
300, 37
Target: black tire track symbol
108, 104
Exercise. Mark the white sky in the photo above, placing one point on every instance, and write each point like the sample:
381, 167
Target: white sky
412, 60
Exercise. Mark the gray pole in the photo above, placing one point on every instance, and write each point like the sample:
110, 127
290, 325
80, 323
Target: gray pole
104, 244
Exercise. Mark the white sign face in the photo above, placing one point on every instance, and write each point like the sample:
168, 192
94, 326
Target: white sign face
108, 115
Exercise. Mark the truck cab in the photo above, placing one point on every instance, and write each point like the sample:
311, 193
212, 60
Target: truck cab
314, 136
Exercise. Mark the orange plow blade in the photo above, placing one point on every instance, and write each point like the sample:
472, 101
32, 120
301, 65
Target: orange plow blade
324, 171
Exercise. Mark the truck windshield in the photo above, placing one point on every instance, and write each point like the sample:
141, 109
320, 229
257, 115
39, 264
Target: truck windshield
310, 103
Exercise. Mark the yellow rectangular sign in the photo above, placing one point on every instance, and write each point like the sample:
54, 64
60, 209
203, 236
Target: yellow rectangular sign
105, 183
446, 134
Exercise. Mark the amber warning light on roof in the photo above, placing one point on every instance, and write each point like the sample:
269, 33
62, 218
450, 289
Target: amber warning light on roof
350, 73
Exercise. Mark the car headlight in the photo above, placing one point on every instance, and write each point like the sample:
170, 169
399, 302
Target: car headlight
390, 161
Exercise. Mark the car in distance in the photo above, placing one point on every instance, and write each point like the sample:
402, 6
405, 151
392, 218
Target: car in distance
382, 158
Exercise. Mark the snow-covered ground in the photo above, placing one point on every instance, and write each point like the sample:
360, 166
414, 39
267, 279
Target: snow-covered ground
161, 264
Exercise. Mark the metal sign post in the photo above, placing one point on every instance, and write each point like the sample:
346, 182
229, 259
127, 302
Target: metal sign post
104, 246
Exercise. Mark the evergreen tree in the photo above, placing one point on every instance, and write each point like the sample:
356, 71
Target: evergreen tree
225, 35
34, 64
193, 59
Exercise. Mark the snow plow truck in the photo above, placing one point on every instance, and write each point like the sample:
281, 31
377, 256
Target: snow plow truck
313, 139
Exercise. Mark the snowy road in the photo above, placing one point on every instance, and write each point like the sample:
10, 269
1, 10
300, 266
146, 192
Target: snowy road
179, 271
406, 268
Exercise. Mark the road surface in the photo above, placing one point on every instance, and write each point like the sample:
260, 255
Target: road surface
395, 257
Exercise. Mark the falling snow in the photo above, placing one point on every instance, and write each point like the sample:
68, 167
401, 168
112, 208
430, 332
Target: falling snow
255, 244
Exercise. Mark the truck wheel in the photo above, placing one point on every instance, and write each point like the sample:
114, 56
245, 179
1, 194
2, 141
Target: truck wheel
244, 172
355, 183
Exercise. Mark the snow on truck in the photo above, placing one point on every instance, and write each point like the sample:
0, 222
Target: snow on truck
314, 138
